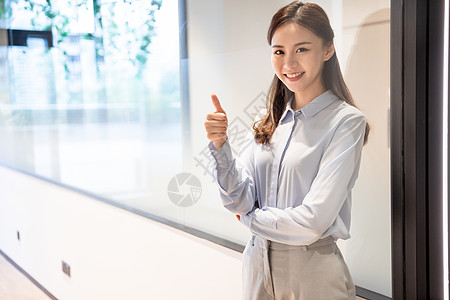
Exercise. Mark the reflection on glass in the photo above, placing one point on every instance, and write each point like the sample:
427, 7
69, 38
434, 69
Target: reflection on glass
100, 109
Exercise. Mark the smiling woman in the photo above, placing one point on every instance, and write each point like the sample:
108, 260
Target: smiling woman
300, 68
291, 210
306, 72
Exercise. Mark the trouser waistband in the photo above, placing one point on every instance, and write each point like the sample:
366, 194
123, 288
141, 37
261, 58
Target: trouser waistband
329, 240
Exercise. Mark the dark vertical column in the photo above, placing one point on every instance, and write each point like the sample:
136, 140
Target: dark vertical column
415, 147
184, 77
397, 164
435, 151
416, 89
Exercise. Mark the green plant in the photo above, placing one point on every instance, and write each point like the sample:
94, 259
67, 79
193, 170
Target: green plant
138, 39
136, 34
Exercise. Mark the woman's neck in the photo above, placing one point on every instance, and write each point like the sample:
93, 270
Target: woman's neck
304, 98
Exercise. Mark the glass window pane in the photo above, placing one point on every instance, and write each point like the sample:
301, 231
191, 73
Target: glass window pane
99, 111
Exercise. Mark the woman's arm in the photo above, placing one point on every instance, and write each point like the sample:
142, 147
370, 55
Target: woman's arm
235, 177
338, 170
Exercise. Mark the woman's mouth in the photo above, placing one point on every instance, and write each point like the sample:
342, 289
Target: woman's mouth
294, 76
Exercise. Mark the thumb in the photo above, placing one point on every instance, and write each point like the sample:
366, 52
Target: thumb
217, 105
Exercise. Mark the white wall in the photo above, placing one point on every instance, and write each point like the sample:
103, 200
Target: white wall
113, 254
366, 38
229, 55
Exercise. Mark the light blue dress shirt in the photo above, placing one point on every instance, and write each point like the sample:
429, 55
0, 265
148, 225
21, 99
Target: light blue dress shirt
302, 180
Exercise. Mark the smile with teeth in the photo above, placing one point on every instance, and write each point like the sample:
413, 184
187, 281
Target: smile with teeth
293, 75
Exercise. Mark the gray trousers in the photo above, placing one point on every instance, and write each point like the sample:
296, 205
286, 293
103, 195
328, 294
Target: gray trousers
283, 272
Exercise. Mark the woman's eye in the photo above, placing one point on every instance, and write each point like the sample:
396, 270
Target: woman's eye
278, 52
301, 50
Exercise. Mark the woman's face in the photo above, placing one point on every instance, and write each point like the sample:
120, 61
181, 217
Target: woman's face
298, 56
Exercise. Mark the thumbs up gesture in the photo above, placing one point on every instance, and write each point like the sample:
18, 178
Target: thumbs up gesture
216, 124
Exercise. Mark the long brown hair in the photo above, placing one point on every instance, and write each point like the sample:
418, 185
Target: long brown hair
312, 17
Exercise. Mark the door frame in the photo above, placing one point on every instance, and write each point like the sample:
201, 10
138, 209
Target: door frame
417, 28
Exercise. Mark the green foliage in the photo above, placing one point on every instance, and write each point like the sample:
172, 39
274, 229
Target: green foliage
5, 11
138, 39
59, 23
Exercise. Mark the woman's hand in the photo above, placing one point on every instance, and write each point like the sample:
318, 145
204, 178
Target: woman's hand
216, 124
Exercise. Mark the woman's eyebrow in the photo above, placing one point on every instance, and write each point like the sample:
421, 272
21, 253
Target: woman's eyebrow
298, 44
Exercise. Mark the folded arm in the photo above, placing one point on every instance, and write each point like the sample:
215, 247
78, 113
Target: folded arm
338, 170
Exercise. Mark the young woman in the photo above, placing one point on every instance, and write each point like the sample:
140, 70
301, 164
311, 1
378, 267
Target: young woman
292, 185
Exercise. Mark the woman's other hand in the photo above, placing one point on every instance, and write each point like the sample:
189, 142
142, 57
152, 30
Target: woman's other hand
216, 124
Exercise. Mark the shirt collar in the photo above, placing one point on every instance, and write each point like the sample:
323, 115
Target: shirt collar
312, 108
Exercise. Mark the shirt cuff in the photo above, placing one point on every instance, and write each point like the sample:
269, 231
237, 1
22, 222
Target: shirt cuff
248, 218
223, 156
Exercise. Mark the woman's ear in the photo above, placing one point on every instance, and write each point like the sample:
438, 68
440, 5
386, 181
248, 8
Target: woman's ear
329, 51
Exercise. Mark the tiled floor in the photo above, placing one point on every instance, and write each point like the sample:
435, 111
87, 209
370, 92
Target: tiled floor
16, 286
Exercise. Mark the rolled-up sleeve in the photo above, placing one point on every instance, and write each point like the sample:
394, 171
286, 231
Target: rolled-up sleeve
319, 209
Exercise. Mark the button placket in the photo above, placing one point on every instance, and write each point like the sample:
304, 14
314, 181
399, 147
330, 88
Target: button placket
277, 162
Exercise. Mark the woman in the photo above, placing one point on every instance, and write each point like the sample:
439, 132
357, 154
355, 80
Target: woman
292, 185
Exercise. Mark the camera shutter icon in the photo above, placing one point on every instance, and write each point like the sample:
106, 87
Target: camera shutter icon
184, 189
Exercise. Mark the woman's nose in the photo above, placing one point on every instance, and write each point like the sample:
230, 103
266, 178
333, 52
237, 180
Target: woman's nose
290, 61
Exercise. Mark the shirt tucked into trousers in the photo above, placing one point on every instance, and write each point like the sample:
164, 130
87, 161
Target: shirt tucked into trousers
284, 272
301, 183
